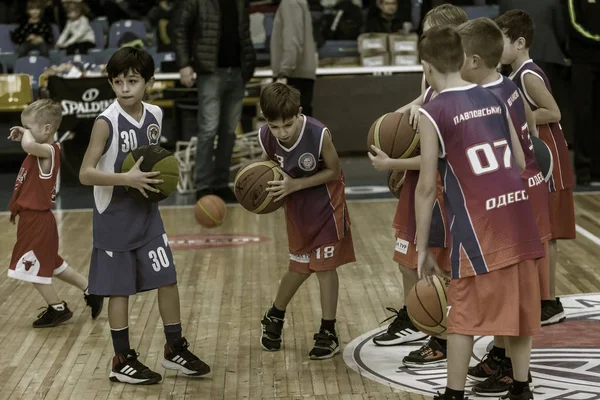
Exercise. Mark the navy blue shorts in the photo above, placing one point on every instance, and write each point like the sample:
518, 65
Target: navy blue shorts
114, 273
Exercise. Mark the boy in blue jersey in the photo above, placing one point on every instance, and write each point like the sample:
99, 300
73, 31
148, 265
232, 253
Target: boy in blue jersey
131, 252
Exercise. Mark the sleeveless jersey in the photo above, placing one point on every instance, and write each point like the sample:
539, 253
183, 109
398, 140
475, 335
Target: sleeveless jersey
122, 222
552, 134
536, 187
405, 220
317, 215
34, 189
488, 207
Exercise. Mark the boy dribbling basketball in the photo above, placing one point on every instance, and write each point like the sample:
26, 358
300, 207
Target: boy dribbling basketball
483, 44
466, 130
131, 252
35, 256
318, 224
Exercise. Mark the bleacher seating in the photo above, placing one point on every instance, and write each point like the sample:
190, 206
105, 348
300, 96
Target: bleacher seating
33, 66
119, 28
6, 44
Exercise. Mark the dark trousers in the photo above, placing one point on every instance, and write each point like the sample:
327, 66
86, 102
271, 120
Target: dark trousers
26, 47
586, 96
306, 88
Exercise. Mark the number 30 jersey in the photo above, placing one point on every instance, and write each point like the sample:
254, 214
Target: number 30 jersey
488, 207
121, 222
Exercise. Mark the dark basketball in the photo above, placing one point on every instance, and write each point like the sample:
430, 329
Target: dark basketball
395, 182
155, 159
426, 306
250, 184
394, 136
543, 156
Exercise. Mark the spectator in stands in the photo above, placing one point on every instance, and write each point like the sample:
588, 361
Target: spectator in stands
78, 36
212, 38
159, 18
36, 33
293, 50
386, 18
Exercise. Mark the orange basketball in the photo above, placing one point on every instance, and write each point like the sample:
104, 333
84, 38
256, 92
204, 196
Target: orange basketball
394, 136
427, 306
210, 211
395, 182
250, 184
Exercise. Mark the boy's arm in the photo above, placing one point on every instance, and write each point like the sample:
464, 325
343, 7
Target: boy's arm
515, 147
548, 110
530, 118
330, 172
28, 143
91, 176
382, 162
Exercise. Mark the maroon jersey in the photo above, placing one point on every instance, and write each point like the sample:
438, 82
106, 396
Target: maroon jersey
34, 189
488, 207
537, 188
317, 215
552, 134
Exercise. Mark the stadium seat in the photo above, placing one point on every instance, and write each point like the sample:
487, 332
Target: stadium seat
98, 29
119, 28
6, 44
15, 92
101, 56
33, 66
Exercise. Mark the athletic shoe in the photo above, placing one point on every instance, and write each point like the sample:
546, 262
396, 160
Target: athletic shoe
270, 337
431, 354
53, 315
128, 369
499, 384
95, 302
526, 395
444, 396
552, 312
326, 346
487, 368
179, 358
400, 331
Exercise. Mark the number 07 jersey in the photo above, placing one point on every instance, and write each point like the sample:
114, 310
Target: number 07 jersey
488, 207
121, 222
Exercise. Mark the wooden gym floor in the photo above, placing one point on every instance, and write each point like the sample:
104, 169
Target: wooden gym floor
224, 292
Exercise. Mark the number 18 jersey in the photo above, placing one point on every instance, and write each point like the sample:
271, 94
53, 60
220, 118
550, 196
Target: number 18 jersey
488, 207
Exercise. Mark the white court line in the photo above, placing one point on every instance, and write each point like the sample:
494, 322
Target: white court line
589, 235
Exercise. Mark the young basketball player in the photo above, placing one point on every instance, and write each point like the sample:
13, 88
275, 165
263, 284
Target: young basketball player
318, 224
35, 256
518, 29
483, 44
131, 252
466, 130
402, 330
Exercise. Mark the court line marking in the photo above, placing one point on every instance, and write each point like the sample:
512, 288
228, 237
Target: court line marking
589, 235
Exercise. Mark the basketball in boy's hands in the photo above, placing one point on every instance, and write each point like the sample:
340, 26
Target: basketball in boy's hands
393, 134
395, 182
156, 159
427, 306
210, 211
250, 187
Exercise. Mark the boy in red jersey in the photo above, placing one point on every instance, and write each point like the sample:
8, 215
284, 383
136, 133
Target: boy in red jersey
318, 224
483, 44
518, 29
467, 132
35, 256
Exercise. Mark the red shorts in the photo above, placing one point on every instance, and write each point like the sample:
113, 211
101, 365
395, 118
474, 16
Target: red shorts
405, 253
543, 266
504, 302
35, 255
562, 214
325, 258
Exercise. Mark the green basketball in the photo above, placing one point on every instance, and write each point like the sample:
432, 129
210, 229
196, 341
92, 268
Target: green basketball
156, 159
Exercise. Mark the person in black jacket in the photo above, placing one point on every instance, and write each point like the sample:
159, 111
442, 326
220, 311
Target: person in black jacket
387, 18
35, 34
212, 38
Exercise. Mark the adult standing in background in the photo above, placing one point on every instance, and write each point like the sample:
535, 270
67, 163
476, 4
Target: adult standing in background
293, 50
212, 38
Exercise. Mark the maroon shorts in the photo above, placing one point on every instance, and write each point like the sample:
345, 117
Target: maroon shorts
325, 258
405, 253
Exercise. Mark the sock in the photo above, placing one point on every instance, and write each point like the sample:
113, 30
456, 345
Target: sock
276, 312
454, 394
518, 387
442, 342
120, 339
58, 307
173, 333
498, 353
328, 325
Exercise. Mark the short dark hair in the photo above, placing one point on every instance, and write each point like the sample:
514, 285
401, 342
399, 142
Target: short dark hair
441, 46
516, 24
279, 101
130, 59
482, 36
446, 14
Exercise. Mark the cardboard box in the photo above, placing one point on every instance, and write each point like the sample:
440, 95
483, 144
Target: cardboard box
373, 42
403, 43
375, 59
404, 59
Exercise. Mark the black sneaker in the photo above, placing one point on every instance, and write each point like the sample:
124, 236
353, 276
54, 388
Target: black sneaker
552, 312
526, 395
400, 331
327, 345
95, 302
440, 396
53, 315
487, 368
128, 369
226, 195
270, 338
431, 354
179, 358
499, 384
